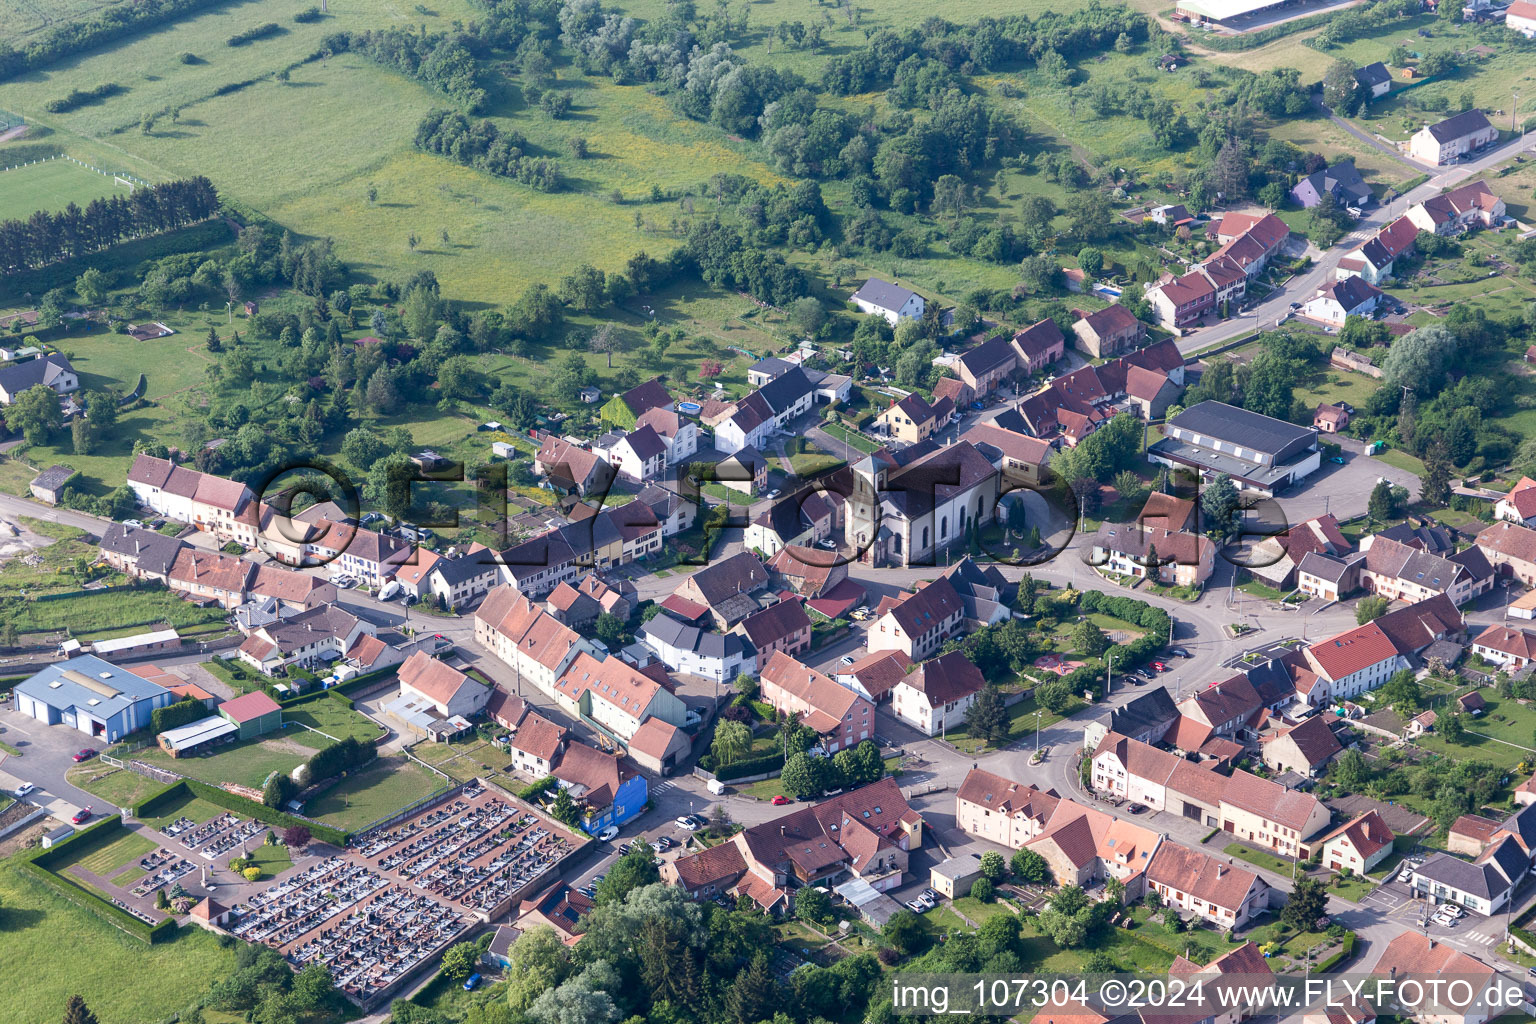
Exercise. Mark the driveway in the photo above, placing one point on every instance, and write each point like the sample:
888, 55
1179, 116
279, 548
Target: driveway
46, 752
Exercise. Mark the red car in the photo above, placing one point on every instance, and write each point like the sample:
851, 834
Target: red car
1158, 666
780, 800
81, 816
85, 755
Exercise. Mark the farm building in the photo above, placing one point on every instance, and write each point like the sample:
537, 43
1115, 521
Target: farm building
254, 714
92, 696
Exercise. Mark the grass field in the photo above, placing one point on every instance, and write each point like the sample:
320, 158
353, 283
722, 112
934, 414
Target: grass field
247, 763
22, 18
376, 793
107, 614
188, 806
272, 860
118, 786
120, 977
119, 853
51, 185
333, 718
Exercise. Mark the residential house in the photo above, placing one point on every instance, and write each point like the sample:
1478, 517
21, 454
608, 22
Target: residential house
1329, 577
1511, 549
745, 471
659, 746
865, 833
607, 788
1146, 717
140, 553
624, 410
572, 607
1133, 770
1269, 815
1358, 845
448, 690
208, 576
1002, 811
1471, 205
690, 650
1083, 844
1519, 505
752, 421
50, 371
780, 627
810, 572
1181, 302
571, 468
1227, 896
1304, 748
1370, 262
726, 587
917, 624
1259, 453
210, 503
1177, 558
891, 301
615, 697
1111, 331
412, 576
1020, 458
875, 674
1037, 346
1340, 180
912, 419
1174, 216
935, 698
1228, 276
1506, 647
308, 639
1398, 572
1330, 419
455, 582
527, 638
1243, 964
679, 433
1375, 80
1349, 664
1149, 393
841, 717
560, 907
1447, 141
1521, 17
373, 557
1414, 954
1336, 302
984, 367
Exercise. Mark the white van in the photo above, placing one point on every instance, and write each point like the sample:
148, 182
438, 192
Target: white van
716, 787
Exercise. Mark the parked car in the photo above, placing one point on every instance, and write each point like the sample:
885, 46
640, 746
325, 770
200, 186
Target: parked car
687, 823
778, 801
84, 755
846, 659
608, 834
133, 524
25, 789
1159, 666
1179, 652
470, 982
773, 493
389, 590
1137, 809
916, 906
1337, 460
930, 894
82, 816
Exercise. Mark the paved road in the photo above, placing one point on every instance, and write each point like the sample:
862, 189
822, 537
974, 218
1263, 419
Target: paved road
12, 507
1371, 140
1304, 286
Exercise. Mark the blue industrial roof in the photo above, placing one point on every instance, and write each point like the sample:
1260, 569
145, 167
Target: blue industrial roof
89, 683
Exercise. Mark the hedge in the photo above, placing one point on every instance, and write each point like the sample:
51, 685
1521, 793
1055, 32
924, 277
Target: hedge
1343, 954
127, 256
172, 716
766, 765
37, 865
532, 792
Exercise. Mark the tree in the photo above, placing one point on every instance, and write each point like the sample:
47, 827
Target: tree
1091, 260
1452, 728
91, 287
82, 436
539, 962
76, 1012
1381, 503
1339, 87
1370, 608
753, 994
35, 413
362, 447
604, 340
1219, 506
732, 741
807, 315
805, 777
993, 867
609, 629
1270, 385
981, 890
459, 960
811, 904
634, 870
1308, 902
1435, 485
1029, 866
296, 837
1153, 900
987, 717
1088, 639
564, 808
1089, 215
905, 932
1229, 173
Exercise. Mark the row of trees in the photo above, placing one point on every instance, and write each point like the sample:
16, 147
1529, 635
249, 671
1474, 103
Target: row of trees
46, 237
485, 147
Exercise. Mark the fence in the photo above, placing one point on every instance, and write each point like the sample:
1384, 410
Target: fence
133, 181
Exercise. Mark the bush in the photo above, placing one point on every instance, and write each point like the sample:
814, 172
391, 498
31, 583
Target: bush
981, 889
83, 97
765, 765
250, 35
251, 874
308, 15
183, 712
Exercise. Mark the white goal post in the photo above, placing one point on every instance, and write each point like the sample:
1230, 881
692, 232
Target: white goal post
119, 180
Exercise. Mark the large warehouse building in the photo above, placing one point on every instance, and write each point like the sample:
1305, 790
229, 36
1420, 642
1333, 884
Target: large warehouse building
1259, 453
93, 696
1227, 10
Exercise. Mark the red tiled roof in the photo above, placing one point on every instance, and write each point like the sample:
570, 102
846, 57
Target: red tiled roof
1352, 651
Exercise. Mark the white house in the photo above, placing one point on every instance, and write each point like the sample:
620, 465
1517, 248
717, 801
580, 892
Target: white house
757, 417
679, 433
1351, 663
891, 301
1521, 16
53, 371
639, 455
689, 650
934, 699
1449, 140
1334, 303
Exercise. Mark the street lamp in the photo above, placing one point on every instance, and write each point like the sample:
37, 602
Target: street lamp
1037, 730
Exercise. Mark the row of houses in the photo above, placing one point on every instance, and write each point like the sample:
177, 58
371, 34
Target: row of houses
1374, 261
1146, 382
1248, 242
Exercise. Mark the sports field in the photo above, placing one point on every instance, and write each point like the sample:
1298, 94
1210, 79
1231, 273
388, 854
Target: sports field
50, 185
